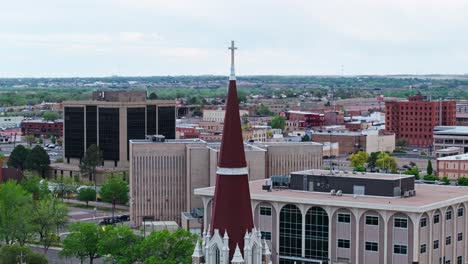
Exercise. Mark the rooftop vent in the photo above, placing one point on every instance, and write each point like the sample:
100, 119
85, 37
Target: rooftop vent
339, 193
333, 192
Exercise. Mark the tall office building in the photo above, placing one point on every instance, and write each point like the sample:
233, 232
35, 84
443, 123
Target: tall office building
110, 120
414, 120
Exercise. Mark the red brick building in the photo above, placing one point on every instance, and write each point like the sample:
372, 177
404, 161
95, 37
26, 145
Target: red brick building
306, 119
40, 128
414, 120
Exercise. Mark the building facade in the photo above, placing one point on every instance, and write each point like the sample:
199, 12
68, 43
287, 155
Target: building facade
110, 121
163, 175
451, 136
317, 222
415, 119
453, 167
351, 142
42, 128
217, 115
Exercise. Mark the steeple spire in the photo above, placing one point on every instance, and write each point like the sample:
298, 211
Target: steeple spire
232, 48
232, 210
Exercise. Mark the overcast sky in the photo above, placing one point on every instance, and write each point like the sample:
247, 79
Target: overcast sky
190, 37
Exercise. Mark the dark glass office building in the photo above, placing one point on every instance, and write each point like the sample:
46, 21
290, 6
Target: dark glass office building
111, 125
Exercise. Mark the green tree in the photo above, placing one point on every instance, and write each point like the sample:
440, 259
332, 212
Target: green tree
50, 116
386, 162
92, 158
82, 242
278, 122
372, 160
33, 185
153, 96
413, 171
115, 191
38, 161
18, 157
119, 244
15, 212
358, 159
305, 138
164, 247
401, 143
9, 254
86, 195
446, 180
53, 140
48, 215
462, 181
429, 169
30, 139
264, 110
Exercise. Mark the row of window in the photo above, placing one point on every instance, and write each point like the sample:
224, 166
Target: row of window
448, 216
373, 246
374, 220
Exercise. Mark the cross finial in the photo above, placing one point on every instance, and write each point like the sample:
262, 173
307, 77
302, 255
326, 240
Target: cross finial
232, 48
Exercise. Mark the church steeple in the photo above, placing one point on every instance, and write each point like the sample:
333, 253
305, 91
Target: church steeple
232, 209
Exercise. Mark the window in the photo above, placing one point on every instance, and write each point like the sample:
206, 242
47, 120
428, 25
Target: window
447, 262
436, 219
316, 234
422, 249
344, 218
372, 220
290, 231
344, 243
459, 260
448, 240
372, 246
400, 249
460, 212
423, 222
401, 223
266, 235
448, 215
436, 244
264, 210
460, 236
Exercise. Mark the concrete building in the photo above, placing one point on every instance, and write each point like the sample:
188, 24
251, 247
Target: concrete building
450, 151
11, 121
110, 120
163, 174
415, 119
358, 219
453, 167
351, 142
301, 120
217, 115
451, 136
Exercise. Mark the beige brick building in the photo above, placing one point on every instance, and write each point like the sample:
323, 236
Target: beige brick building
452, 166
163, 175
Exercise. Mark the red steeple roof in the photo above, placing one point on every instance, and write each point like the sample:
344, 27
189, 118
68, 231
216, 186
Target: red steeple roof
232, 211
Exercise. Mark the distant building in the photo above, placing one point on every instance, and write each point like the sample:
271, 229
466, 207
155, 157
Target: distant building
42, 128
11, 121
451, 136
351, 142
217, 115
110, 120
300, 120
415, 119
341, 217
453, 167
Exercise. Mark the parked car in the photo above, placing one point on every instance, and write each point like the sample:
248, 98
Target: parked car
125, 218
110, 221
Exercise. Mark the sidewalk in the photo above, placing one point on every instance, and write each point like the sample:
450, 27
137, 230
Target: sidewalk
99, 204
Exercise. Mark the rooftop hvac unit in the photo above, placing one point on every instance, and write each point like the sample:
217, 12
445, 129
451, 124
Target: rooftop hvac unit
406, 194
333, 192
412, 192
339, 193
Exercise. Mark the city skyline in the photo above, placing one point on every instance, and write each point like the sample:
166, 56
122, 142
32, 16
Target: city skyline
151, 38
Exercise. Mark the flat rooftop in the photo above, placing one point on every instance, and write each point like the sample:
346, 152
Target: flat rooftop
451, 130
428, 197
169, 141
455, 157
349, 174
